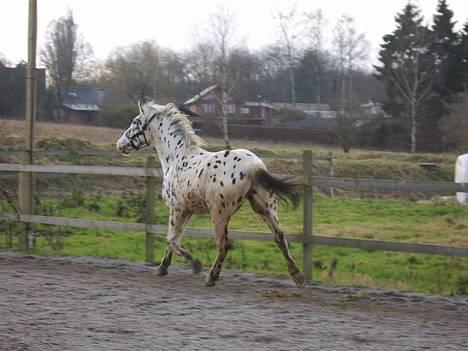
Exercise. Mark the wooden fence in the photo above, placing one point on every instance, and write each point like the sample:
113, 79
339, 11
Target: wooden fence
307, 238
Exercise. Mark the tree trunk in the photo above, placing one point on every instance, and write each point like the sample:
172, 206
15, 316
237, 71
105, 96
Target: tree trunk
413, 127
227, 144
319, 89
292, 82
343, 92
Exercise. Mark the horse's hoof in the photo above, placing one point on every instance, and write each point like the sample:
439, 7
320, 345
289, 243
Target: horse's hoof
210, 282
196, 266
299, 279
160, 271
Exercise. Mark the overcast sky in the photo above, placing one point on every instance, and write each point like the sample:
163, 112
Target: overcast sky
107, 24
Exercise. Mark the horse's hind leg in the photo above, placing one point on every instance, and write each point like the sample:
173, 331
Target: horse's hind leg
264, 204
177, 223
165, 262
220, 225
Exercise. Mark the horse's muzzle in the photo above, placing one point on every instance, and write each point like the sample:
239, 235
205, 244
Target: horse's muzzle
122, 146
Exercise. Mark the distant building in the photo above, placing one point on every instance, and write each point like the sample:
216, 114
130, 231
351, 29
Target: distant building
321, 116
208, 104
310, 109
81, 105
374, 109
13, 90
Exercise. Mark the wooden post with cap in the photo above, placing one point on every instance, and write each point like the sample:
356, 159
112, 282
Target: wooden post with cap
331, 171
307, 256
26, 181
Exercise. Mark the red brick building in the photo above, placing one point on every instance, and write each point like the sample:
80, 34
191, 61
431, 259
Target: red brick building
208, 104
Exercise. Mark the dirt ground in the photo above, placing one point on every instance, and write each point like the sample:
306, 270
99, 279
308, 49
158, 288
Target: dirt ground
83, 303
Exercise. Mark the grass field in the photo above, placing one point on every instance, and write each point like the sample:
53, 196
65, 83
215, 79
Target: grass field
360, 215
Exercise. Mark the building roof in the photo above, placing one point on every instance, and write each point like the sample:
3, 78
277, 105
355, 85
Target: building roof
82, 107
84, 99
263, 104
306, 107
200, 95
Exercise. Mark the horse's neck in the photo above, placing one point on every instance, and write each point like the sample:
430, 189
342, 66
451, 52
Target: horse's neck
172, 148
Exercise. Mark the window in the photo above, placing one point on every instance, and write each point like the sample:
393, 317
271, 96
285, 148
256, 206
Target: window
245, 110
230, 108
208, 108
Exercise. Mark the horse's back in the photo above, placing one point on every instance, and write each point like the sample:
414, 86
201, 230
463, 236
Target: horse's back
226, 177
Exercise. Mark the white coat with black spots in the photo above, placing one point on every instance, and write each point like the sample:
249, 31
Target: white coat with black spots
199, 181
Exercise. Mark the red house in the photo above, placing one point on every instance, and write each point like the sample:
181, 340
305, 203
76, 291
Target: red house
208, 103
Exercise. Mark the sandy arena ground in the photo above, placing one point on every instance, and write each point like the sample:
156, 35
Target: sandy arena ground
83, 303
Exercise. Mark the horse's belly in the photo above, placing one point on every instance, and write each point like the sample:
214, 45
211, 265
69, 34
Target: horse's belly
196, 204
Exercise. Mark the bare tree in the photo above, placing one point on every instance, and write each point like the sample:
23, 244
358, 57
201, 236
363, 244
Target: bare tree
315, 24
199, 62
64, 51
134, 70
220, 31
347, 121
242, 66
290, 31
145, 71
350, 50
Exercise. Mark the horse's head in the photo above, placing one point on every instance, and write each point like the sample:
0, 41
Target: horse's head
138, 135
171, 122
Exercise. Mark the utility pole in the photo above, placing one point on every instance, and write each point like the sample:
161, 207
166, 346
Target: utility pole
26, 183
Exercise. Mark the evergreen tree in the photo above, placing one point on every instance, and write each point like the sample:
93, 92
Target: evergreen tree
463, 49
445, 50
448, 75
407, 70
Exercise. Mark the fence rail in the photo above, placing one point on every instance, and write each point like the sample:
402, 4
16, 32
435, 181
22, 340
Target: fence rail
390, 185
307, 239
73, 169
246, 235
325, 182
89, 152
147, 152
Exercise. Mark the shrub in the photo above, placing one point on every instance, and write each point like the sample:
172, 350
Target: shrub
118, 116
461, 283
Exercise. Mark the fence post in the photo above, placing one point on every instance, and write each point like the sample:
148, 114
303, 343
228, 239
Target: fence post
25, 179
331, 171
307, 257
149, 216
26, 200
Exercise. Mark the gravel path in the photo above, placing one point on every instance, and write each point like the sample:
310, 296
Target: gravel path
84, 303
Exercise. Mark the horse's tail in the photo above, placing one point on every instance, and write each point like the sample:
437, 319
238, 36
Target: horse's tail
286, 188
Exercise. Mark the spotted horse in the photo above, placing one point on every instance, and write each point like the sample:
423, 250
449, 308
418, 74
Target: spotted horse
199, 181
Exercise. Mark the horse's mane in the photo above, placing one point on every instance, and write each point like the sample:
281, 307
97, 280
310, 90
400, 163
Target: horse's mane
182, 125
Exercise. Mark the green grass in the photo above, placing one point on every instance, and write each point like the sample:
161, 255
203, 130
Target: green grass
371, 219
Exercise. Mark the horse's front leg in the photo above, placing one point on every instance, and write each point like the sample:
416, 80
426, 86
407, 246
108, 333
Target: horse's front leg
220, 226
177, 222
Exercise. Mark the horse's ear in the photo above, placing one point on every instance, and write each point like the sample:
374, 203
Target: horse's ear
140, 108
